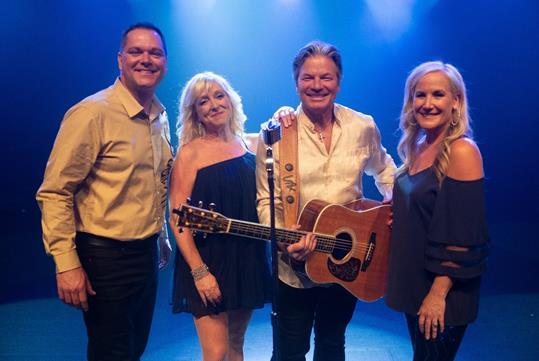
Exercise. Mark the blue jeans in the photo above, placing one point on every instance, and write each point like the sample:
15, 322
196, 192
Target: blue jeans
329, 309
124, 277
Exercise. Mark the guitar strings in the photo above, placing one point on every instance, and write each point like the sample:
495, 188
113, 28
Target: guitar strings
329, 243
324, 243
288, 235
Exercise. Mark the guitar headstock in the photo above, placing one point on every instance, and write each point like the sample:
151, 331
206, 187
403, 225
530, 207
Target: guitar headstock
200, 219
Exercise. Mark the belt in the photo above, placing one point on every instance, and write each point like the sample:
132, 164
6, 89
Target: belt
100, 241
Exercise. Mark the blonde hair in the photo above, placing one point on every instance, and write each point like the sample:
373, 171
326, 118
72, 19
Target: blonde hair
412, 133
188, 125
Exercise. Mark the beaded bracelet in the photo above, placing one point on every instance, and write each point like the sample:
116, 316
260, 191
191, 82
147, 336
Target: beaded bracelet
199, 272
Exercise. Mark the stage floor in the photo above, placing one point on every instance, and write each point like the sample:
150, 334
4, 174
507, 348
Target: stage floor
45, 329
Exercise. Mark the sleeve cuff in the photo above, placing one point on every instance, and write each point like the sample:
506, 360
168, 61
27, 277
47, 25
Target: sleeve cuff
67, 261
386, 190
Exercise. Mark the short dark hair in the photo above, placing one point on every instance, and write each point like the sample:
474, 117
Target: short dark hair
142, 25
315, 48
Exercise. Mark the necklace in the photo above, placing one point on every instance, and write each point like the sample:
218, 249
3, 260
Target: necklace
320, 133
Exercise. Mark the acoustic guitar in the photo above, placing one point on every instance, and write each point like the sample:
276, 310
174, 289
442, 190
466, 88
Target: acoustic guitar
352, 247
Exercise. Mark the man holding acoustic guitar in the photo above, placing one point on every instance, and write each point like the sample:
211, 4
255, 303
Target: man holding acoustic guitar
319, 165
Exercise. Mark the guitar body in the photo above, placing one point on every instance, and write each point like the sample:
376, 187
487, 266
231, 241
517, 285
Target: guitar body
359, 260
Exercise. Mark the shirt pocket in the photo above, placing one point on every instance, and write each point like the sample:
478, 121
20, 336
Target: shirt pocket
355, 159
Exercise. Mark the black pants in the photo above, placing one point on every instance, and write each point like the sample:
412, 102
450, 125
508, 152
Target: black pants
443, 348
124, 277
330, 309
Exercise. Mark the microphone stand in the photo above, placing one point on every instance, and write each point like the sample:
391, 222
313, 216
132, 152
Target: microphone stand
272, 134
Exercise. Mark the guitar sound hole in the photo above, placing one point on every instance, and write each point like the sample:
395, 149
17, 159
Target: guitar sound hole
343, 246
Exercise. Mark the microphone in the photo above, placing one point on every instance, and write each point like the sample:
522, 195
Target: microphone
271, 132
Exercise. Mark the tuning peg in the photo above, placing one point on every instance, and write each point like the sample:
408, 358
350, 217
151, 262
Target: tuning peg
188, 200
204, 235
212, 206
200, 204
193, 233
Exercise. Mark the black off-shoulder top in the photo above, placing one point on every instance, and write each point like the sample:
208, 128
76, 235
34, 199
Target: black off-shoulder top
427, 219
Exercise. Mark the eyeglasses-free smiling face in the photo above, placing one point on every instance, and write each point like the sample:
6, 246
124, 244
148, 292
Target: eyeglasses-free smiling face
434, 101
213, 108
142, 61
318, 84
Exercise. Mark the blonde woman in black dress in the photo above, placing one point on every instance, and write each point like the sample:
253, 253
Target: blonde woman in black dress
219, 279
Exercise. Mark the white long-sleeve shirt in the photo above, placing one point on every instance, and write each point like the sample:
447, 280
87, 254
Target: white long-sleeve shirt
333, 176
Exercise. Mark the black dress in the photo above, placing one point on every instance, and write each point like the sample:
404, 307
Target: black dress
239, 264
426, 219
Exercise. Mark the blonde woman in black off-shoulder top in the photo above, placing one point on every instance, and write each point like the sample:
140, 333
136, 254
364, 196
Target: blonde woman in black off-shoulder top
439, 239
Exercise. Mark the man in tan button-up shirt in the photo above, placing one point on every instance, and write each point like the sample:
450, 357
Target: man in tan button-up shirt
103, 200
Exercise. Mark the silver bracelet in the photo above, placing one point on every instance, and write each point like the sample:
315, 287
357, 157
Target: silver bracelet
199, 272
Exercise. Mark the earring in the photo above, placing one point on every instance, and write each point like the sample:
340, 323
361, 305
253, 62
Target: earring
455, 121
412, 122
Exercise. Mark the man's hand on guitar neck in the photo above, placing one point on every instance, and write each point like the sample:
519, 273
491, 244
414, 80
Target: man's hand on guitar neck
300, 250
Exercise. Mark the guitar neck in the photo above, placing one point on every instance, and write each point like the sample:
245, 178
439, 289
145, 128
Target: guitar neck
287, 236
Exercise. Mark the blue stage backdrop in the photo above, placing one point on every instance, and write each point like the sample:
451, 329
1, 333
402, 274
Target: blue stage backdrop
55, 53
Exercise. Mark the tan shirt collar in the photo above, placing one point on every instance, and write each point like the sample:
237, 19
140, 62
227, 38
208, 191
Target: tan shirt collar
131, 105
309, 124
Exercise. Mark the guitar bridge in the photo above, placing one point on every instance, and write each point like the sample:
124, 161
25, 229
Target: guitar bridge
369, 252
